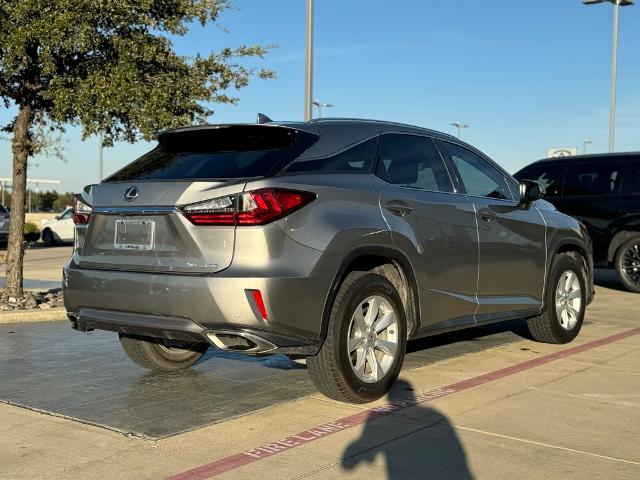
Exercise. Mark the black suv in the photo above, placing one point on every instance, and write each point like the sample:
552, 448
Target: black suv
602, 191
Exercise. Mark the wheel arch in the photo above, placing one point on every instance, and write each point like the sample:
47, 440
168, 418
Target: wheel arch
574, 246
617, 240
391, 264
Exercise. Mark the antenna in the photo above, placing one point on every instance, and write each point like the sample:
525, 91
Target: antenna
262, 118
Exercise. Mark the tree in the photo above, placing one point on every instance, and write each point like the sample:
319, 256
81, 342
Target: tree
63, 201
108, 66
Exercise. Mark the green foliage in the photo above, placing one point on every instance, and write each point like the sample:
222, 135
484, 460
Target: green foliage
63, 201
30, 227
49, 201
109, 65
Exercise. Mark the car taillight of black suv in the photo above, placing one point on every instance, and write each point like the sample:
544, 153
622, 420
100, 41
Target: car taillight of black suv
603, 192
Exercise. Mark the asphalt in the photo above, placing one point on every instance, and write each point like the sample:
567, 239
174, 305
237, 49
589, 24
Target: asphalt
42, 266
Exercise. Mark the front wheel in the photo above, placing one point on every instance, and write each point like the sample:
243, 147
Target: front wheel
161, 354
566, 300
366, 341
627, 264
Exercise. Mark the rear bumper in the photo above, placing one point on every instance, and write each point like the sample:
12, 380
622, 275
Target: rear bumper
195, 307
234, 338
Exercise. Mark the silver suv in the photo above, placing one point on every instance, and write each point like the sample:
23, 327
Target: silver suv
335, 240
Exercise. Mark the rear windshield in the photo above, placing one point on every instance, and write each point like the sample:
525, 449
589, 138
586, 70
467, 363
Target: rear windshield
226, 152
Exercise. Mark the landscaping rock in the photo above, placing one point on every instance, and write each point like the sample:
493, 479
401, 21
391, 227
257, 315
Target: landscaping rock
30, 301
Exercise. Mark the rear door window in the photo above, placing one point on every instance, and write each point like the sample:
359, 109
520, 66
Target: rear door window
594, 179
549, 176
412, 161
355, 159
218, 153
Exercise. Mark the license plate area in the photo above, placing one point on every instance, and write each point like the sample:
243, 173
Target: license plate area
134, 234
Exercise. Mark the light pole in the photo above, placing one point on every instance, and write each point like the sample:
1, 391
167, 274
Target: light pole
459, 126
308, 81
320, 106
614, 64
584, 148
100, 156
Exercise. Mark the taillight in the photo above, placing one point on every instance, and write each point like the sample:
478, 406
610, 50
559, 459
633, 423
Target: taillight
256, 207
81, 212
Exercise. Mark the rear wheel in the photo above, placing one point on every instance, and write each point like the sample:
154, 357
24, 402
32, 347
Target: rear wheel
366, 340
162, 354
48, 238
566, 300
627, 264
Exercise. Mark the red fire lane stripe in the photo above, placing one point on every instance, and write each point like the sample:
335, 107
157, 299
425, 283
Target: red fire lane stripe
267, 450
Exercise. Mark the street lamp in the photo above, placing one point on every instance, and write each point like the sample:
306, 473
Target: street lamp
459, 126
320, 106
584, 148
614, 64
308, 82
100, 156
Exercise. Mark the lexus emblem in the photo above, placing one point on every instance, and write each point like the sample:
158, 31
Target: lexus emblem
131, 193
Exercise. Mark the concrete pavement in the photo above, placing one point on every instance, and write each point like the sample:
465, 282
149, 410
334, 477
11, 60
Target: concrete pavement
575, 417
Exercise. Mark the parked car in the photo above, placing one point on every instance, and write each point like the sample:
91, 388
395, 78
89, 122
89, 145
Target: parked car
603, 192
5, 222
332, 240
60, 229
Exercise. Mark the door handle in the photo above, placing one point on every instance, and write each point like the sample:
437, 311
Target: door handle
487, 215
399, 209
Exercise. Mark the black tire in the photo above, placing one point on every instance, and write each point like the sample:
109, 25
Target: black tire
331, 369
548, 327
628, 257
48, 238
157, 354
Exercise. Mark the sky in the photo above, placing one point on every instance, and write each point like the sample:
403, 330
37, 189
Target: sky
525, 76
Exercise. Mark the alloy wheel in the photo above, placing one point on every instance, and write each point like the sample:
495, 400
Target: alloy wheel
373, 339
568, 299
631, 263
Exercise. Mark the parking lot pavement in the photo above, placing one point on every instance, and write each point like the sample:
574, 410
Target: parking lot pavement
508, 408
49, 367
42, 267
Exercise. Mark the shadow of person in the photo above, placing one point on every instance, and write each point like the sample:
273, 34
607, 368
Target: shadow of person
414, 443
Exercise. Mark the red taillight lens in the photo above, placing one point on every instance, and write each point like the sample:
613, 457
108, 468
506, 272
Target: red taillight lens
81, 212
256, 207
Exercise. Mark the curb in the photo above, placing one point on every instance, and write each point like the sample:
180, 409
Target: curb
25, 316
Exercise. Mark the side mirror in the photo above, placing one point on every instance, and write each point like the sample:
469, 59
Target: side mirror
530, 191
57, 217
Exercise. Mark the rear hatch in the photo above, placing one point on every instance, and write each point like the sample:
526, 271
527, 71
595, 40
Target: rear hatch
137, 221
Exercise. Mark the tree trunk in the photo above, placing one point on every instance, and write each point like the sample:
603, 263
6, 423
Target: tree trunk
15, 251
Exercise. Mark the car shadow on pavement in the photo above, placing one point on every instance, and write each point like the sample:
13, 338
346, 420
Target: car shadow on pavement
418, 442
607, 278
474, 334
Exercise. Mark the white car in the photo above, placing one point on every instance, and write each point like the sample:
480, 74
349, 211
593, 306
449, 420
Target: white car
59, 229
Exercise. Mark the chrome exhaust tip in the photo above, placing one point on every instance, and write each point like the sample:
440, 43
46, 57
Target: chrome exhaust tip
235, 341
